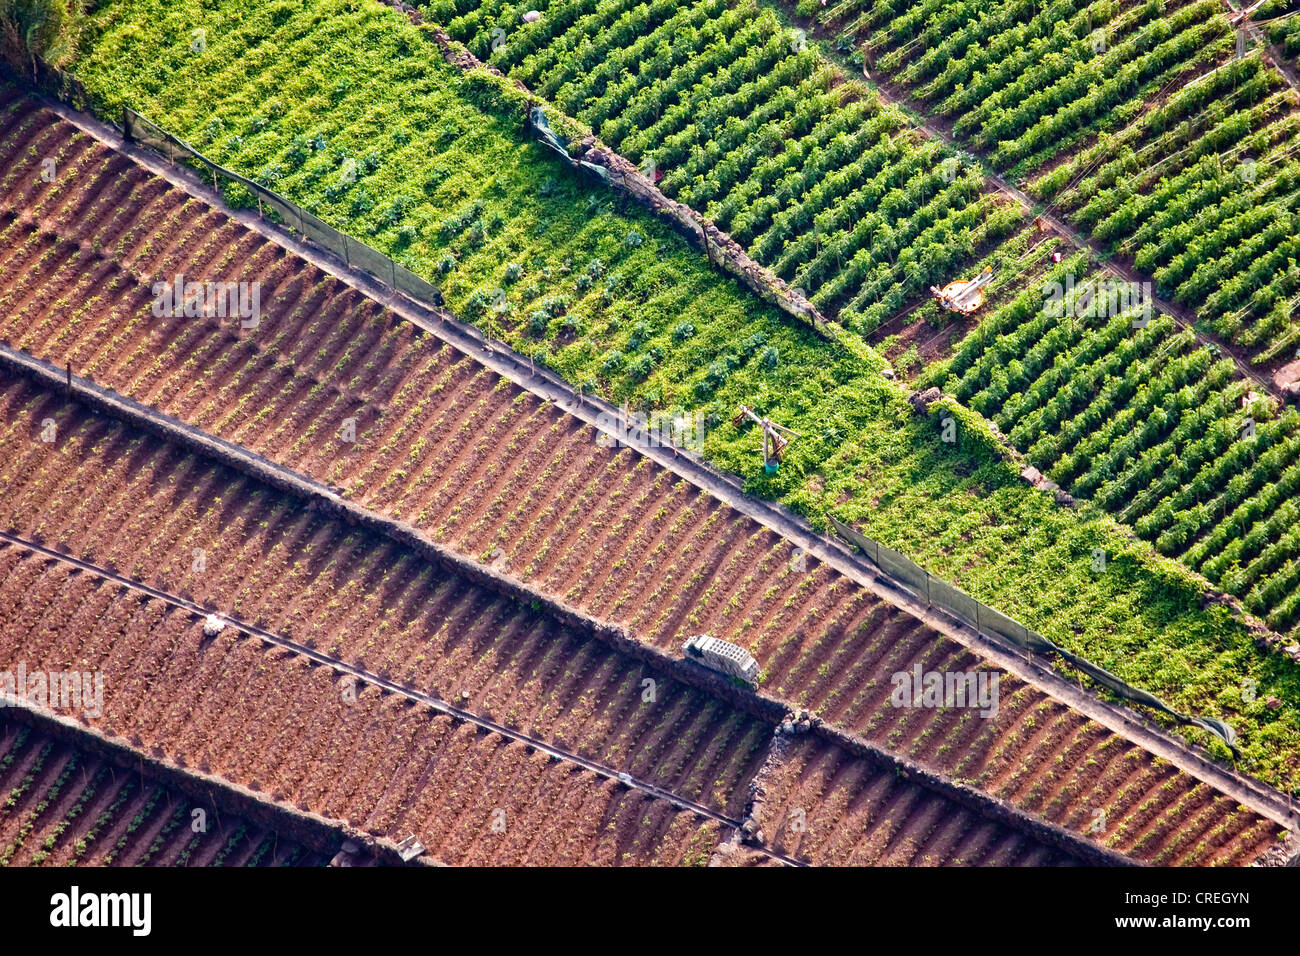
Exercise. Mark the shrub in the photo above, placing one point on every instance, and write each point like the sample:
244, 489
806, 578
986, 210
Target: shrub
613, 363
39, 30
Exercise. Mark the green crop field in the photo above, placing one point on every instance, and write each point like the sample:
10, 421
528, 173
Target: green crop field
1154, 428
746, 126
838, 195
448, 183
1136, 121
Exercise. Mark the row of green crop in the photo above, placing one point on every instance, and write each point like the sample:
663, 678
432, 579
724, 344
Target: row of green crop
1201, 193
1199, 190
1004, 90
489, 212
1026, 80
1147, 423
808, 172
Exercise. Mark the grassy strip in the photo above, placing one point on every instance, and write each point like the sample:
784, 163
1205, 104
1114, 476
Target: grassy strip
445, 181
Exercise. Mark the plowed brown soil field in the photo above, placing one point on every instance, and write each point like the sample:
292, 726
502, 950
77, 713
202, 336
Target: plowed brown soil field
125, 501
491, 471
270, 720
136, 505
67, 807
827, 807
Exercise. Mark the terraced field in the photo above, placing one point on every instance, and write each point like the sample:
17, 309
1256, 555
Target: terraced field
825, 806
69, 807
1134, 119
120, 501
797, 622
483, 435
705, 346
367, 683
451, 787
317, 738
1152, 426
802, 165
959, 64
269, 720
1239, 539
368, 603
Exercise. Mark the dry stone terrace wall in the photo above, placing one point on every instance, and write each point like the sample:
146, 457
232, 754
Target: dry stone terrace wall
493, 473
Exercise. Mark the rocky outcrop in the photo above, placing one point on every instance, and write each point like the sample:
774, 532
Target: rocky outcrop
1287, 380
921, 401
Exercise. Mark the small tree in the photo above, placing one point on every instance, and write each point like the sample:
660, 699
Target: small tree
38, 30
